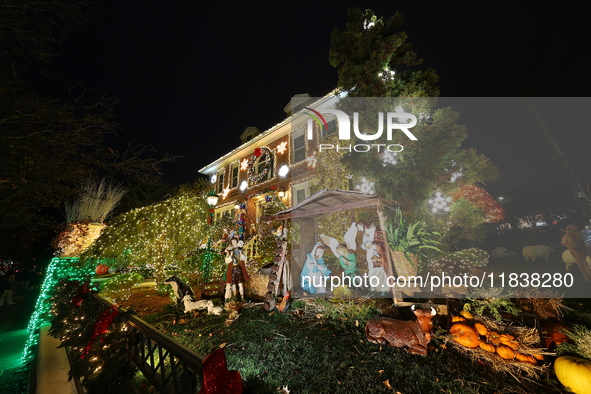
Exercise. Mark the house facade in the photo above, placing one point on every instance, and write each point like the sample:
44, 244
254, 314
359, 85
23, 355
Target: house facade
279, 162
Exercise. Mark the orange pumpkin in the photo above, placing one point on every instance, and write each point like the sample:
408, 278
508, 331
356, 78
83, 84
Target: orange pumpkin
525, 358
102, 270
538, 356
506, 352
506, 337
481, 328
489, 347
494, 337
464, 335
513, 344
455, 319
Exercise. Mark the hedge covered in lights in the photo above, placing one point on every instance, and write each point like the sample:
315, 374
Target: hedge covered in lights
156, 237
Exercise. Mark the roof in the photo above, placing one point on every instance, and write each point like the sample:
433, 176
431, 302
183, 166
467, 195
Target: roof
325, 202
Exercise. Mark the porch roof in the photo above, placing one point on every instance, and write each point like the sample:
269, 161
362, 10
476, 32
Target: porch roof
325, 202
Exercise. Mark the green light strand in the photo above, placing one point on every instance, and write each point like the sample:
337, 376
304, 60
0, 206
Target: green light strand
58, 269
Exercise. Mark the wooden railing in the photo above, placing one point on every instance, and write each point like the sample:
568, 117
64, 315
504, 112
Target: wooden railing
251, 248
169, 366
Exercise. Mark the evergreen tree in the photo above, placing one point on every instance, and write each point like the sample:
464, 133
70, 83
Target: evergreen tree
378, 71
374, 59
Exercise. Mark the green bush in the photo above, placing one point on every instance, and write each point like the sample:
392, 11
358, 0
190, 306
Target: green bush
118, 288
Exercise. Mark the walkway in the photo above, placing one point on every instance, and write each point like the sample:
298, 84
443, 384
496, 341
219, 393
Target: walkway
14, 377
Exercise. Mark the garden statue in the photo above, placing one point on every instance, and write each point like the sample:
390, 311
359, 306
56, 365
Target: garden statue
574, 241
346, 256
373, 244
414, 335
180, 289
236, 273
314, 271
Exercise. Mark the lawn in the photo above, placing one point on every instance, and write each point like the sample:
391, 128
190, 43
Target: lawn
320, 347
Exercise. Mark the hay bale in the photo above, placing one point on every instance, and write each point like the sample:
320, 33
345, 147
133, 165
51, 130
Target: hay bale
256, 287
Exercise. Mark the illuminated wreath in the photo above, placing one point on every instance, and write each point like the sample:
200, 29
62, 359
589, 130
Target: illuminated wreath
266, 157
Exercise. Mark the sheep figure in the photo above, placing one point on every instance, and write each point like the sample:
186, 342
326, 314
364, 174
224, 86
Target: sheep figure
534, 252
569, 260
501, 252
191, 305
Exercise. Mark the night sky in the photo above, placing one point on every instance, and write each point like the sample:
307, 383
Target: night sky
192, 77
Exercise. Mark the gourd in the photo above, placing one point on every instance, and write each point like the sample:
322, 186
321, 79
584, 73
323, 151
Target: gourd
481, 328
464, 335
574, 373
525, 358
505, 352
489, 347
102, 269
455, 319
467, 315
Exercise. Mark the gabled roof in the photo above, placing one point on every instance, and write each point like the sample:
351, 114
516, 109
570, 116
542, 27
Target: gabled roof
325, 202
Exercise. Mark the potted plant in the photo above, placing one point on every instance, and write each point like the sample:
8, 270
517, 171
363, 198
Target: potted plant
408, 242
86, 216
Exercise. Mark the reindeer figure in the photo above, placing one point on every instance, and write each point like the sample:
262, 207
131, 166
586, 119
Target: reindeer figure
414, 335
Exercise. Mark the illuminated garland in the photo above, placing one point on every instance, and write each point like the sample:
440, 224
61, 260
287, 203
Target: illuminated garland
58, 269
267, 156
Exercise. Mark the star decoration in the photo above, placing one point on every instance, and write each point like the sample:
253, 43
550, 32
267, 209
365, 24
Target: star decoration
225, 192
282, 147
244, 165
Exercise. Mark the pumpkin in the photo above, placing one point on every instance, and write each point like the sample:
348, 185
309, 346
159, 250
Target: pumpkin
481, 328
514, 344
467, 315
102, 270
455, 319
525, 358
464, 335
489, 347
505, 352
494, 337
506, 337
574, 373
538, 356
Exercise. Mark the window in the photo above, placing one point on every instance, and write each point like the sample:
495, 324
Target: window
235, 171
299, 149
220, 184
300, 195
262, 167
332, 128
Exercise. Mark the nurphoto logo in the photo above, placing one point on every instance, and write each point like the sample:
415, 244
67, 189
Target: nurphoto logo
397, 120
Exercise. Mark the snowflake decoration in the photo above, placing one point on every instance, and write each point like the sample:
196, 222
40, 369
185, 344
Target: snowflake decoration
365, 187
244, 165
225, 192
439, 203
282, 147
389, 158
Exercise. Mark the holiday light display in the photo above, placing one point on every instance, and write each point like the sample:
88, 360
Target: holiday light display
157, 236
58, 269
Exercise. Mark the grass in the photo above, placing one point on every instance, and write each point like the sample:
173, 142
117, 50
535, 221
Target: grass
311, 354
